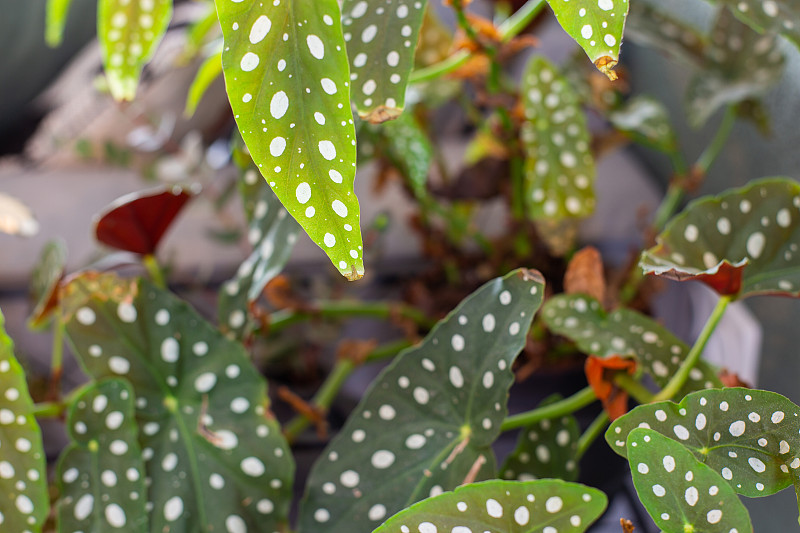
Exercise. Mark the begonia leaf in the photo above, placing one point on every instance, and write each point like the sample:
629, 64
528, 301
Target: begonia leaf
209, 71
656, 28
45, 280
772, 16
646, 121
57, 11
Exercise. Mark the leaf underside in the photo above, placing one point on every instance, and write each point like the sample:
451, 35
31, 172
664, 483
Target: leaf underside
215, 455
681, 493
742, 242
287, 77
559, 168
504, 507
381, 41
428, 420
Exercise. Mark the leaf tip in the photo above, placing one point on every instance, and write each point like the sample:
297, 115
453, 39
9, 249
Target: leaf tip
354, 274
606, 65
381, 114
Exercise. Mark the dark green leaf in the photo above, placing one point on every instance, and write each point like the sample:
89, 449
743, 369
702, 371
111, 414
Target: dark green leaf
546, 506
650, 26
57, 11
429, 419
681, 493
45, 280
215, 454
101, 474
210, 70
559, 168
129, 32
24, 503
407, 146
545, 449
646, 121
773, 16
743, 242
288, 82
625, 332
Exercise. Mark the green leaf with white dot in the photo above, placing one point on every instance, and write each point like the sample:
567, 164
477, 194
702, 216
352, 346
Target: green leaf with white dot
681, 493
597, 26
646, 120
272, 234
749, 437
287, 77
129, 32
545, 449
742, 242
101, 474
23, 479
407, 146
215, 454
770, 16
653, 27
559, 168
625, 332
428, 421
739, 64
543, 506
381, 42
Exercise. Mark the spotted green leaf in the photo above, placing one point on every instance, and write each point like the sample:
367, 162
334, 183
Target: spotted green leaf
101, 474
428, 420
45, 280
129, 32
545, 449
559, 168
625, 332
646, 121
287, 77
504, 507
24, 503
272, 234
597, 26
381, 41
749, 437
656, 28
406, 145
740, 64
210, 70
743, 242
773, 16
57, 11
216, 456
681, 493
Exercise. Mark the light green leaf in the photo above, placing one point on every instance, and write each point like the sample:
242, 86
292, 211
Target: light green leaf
210, 70
381, 42
559, 168
597, 27
101, 474
545, 449
215, 454
57, 11
287, 77
772, 16
646, 121
625, 332
428, 421
129, 32
681, 493
749, 437
741, 243
24, 503
504, 507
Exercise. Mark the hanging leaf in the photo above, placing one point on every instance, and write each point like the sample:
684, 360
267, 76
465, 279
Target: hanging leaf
680, 492
129, 32
209, 71
504, 507
650, 26
381, 41
57, 11
215, 454
627, 333
16, 218
646, 121
45, 280
743, 242
272, 234
600, 373
773, 16
749, 437
740, 64
136, 222
597, 27
407, 146
101, 474
559, 169
23, 478
545, 449
289, 89
428, 421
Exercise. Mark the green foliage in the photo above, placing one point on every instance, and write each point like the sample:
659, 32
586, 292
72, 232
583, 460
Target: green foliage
646, 121
771, 16
428, 421
504, 507
46, 277
57, 11
210, 70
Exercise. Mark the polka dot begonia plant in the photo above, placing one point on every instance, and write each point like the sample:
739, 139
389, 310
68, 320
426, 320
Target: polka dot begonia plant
214, 454
45, 282
646, 121
771, 16
428, 421
546, 506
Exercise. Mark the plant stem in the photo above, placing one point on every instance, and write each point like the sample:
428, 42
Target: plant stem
693, 357
633, 387
669, 205
517, 22
49, 409
580, 399
714, 149
388, 350
154, 270
282, 319
592, 432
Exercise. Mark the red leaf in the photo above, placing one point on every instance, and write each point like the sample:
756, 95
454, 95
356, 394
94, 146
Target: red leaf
600, 375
